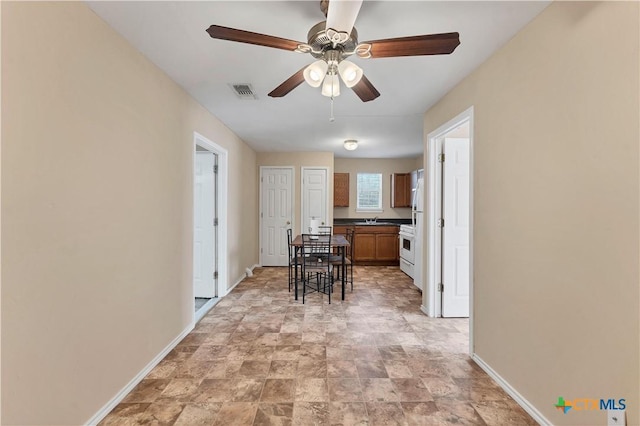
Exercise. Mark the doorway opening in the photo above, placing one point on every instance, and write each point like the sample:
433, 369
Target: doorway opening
449, 230
209, 225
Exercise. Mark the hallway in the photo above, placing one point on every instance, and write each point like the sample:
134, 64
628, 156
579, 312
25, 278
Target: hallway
260, 357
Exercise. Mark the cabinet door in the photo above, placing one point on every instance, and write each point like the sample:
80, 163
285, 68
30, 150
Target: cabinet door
365, 247
387, 247
340, 230
341, 190
401, 190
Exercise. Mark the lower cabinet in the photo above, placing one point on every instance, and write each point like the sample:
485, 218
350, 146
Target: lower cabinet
376, 245
365, 247
341, 229
387, 247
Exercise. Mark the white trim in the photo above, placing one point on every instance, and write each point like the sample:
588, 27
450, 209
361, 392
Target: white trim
326, 192
223, 188
293, 204
433, 188
239, 280
521, 400
204, 309
106, 409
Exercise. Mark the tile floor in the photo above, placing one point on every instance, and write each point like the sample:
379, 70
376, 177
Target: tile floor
261, 358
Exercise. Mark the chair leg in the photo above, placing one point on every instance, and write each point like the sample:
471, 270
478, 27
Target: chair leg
351, 268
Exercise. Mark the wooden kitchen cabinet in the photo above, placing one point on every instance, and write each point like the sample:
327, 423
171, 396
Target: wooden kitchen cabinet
376, 245
341, 229
401, 190
341, 190
365, 247
387, 247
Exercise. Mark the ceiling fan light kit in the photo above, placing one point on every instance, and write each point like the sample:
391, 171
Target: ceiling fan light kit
331, 86
314, 73
351, 73
331, 42
350, 144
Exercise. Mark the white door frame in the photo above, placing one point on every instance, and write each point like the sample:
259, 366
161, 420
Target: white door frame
432, 214
293, 199
302, 169
222, 191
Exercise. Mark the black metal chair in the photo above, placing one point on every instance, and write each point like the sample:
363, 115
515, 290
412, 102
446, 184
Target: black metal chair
325, 230
336, 260
293, 270
317, 270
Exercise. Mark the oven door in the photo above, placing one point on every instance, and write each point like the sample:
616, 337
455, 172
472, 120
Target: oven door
406, 247
406, 267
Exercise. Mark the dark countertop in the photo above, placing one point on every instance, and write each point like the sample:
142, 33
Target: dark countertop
380, 222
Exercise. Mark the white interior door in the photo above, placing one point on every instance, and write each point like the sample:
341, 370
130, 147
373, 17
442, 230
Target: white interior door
314, 197
276, 215
455, 233
204, 231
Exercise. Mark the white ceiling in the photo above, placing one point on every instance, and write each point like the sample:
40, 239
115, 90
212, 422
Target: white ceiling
172, 35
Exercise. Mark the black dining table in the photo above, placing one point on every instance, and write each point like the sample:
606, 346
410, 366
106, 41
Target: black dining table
337, 241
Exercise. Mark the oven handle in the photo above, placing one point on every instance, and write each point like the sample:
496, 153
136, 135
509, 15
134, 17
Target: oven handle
406, 235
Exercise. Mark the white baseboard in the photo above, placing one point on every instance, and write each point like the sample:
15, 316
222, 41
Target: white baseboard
424, 310
525, 404
204, 310
239, 280
102, 413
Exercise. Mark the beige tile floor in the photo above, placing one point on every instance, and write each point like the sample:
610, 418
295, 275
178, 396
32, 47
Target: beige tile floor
261, 358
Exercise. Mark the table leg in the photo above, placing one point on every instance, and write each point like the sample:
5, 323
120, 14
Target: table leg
344, 270
296, 253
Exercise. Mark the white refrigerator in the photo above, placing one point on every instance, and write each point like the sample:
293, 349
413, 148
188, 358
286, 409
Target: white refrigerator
417, 214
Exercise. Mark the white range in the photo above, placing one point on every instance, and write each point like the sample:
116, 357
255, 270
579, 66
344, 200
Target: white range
411, 239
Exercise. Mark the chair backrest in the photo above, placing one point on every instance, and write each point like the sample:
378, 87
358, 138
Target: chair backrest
317, 248
325, 230
350, 238
289, 240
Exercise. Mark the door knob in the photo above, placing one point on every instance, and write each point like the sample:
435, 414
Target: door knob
288, 222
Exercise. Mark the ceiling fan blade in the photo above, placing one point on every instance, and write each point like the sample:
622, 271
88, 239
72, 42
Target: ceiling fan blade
342, 14
232, 34
431, 44
365, 90
288, 85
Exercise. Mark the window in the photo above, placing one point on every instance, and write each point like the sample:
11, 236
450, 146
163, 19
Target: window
369, 189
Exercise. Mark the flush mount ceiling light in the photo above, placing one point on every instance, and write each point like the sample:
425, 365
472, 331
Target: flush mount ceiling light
350, 144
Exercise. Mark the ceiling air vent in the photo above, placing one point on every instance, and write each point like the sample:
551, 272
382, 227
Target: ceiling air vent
243, 91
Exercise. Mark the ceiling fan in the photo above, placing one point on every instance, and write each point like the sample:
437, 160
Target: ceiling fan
334, 40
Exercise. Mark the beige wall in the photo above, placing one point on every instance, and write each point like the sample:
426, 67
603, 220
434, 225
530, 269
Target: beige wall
419, 162
556, 208
297, 160
96, 211
369, 165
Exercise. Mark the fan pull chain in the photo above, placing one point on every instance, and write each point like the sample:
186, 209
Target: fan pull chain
332, 118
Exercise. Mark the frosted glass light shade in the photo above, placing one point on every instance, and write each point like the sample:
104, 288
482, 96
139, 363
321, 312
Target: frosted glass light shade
315, 73
351, 73
331, 86
350, 144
